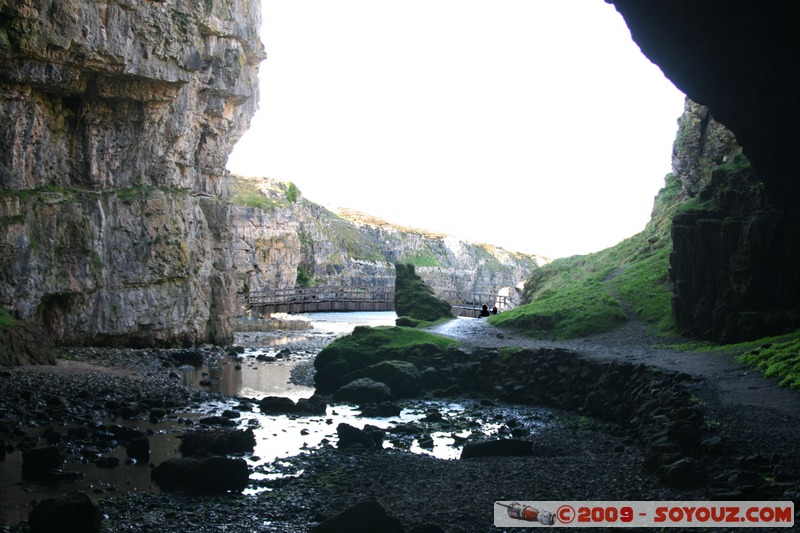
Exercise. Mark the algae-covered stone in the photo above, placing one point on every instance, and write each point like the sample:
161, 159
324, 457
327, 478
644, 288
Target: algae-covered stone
414, 299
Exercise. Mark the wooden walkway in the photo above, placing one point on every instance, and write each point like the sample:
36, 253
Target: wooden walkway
322, 298
330, 298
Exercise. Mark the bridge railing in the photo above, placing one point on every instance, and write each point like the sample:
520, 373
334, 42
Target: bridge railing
272, 297
476, 299
338, 298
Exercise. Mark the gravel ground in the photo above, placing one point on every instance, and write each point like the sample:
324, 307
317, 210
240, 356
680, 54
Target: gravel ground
578, 460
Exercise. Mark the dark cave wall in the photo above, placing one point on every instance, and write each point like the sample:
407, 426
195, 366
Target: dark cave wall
735, 263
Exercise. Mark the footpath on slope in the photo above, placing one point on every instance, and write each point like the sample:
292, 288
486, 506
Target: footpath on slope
752, 411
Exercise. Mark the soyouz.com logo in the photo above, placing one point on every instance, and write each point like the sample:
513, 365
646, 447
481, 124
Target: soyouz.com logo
644, 514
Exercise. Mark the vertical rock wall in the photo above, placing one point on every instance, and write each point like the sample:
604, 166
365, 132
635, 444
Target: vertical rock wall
733, 252
117, 119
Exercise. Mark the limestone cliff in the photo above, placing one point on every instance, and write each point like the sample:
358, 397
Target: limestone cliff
117, 121
281, 240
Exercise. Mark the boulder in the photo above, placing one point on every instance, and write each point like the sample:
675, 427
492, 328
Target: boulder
214, 475
41, 461
350, 437
315, 405
74, 512
406, 321
367, 516
277, 405
217, 475
217, 421
188, 356
171, 474
25, 343
364, 390
138, 448
685, 473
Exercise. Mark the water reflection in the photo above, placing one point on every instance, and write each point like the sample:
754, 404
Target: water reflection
247, 378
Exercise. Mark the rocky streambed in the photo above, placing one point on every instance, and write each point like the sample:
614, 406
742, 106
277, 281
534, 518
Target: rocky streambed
592, 430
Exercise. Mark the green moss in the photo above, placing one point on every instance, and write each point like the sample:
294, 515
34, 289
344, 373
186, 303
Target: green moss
421, 259
779, 361
6, 320
348, 357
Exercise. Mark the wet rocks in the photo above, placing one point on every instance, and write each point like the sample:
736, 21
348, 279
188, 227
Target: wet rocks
277, 405
380, 410
370, 437
217, 442
315, 405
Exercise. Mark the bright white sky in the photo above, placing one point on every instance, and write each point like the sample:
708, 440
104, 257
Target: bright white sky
535, 125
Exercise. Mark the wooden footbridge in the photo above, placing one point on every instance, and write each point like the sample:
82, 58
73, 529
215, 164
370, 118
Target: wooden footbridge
330, 298
322, 298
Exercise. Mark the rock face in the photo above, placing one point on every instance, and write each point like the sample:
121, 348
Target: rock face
280, 240
729, 281
735, 257
117, 121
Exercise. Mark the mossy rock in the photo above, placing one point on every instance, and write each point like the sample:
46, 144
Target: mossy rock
413, 298
348, 358
402, 377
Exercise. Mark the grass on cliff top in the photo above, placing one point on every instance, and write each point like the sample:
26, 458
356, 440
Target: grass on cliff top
389, 337
262, 193
584, 294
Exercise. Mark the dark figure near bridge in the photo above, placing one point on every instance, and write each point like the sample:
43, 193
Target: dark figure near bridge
494, 310
484, 311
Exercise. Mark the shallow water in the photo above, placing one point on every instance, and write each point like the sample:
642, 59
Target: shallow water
279, 436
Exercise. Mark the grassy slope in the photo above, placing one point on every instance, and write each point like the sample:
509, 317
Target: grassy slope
582, 295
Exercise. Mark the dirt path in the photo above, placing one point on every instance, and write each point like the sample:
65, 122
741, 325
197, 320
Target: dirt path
748, 407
